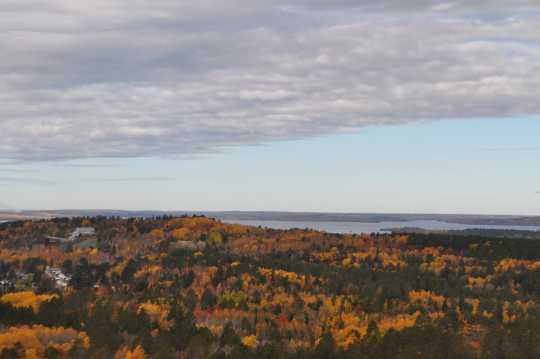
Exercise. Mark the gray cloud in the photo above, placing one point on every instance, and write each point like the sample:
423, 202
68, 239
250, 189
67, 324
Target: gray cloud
509, 149
81, 165
5, 206
138, 179
17, 170
25, 180
179, 79
38, 181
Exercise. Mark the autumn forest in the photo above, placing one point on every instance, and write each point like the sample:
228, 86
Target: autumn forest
194, 287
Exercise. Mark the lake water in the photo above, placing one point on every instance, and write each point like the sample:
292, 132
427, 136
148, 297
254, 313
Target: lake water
359, 227
364, 227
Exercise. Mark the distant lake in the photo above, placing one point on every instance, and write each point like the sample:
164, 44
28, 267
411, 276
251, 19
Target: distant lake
361, 227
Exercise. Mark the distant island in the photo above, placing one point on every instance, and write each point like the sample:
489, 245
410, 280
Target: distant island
477, 232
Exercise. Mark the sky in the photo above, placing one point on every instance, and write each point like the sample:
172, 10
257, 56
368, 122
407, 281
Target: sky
401, 106
466, 166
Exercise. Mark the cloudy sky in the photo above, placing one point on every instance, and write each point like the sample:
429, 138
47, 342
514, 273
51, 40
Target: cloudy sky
163, 96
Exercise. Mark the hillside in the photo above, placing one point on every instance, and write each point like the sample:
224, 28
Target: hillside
194, 287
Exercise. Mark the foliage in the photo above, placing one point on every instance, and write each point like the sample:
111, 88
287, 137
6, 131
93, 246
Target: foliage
193, 287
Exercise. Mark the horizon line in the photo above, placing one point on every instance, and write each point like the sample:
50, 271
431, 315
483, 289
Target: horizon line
267, 211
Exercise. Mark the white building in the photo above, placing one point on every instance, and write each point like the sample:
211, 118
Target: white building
82, 231
61, 279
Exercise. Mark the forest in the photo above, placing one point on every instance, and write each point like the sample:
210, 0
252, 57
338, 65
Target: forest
195, 287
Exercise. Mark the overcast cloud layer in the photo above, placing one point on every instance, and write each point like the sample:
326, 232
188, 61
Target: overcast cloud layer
174, 78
